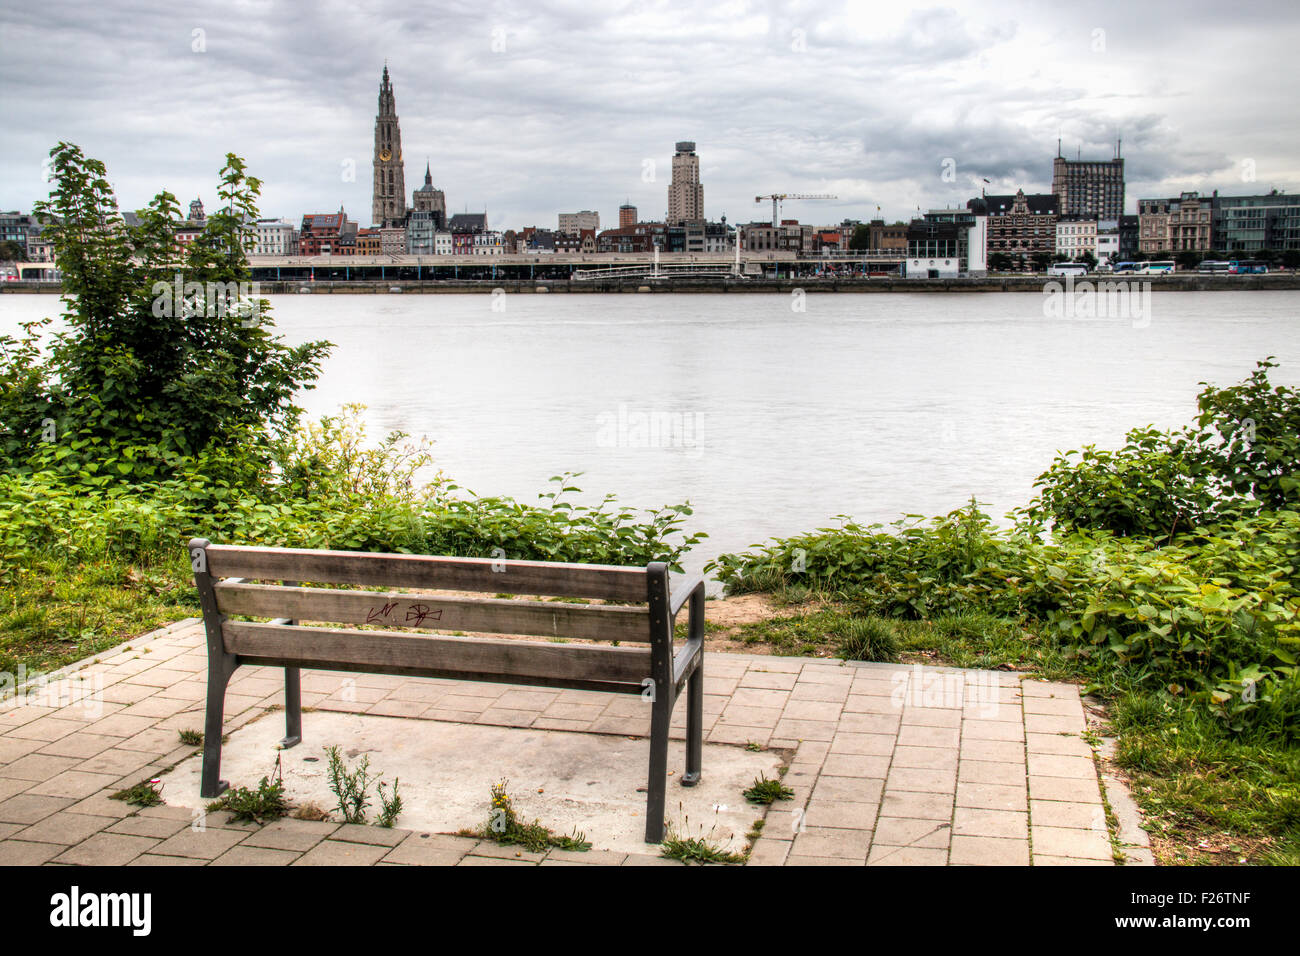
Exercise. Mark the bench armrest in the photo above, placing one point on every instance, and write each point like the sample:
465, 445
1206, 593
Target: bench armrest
681, 592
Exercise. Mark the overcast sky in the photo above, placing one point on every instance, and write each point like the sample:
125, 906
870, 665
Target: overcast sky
529, 109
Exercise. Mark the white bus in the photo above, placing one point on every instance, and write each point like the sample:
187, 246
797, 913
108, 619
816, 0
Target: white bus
1214, 267
1067, 269
1163, 267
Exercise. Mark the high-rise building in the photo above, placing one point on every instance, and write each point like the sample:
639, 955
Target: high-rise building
1089, 189
572, 223
389, 204
685, 193
626, 215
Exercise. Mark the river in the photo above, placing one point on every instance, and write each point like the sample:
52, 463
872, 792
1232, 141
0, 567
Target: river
771, 421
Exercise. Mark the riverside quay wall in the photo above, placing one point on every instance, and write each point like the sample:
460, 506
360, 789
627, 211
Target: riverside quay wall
1187, 282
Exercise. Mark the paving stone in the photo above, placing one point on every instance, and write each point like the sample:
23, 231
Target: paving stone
24, 853
1009, 824
291, 834
1062, 841
909, 831
863, 744
148, 859
847, 789
205, 844
158, 827
339, 853
814, 710
1064, 788
31, 807
907, 856
644, 859
841, 814
75, 784
769, 852
64, 828
854, 765
925, 758
1052, 765
915, 735
1064, 744
435, 850
36, 767
1043, 860
991, 771
11, 748
488, 848
379, 836
838, 843
926, 806
805, 729
988, 851
255, 856
1079, 816
1003, 730
83, 746
931, 717
992, 796
107, 849
924, 781
1051, 724
1005, 751
494, 861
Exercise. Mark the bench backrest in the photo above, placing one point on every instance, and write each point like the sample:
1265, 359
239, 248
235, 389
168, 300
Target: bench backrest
241, 582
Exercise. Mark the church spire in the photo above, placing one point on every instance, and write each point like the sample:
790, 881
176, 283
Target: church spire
389, 200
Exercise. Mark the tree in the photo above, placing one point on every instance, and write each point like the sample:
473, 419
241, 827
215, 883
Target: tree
1088, 259
1291, 258
1000, 262
1188, 259
861, 237
166, 350
1041, 260
11, 251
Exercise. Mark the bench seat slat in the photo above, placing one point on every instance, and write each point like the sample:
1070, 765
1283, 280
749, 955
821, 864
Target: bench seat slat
471, 657
435, 612
598, 581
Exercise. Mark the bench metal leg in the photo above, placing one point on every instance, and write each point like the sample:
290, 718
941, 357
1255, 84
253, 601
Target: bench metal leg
660, 718
218, 677
694, 726
292, 708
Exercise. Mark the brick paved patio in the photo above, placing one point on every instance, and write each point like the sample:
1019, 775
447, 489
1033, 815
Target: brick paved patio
890, 764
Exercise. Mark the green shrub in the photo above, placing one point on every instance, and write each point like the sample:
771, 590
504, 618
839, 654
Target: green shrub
868, 639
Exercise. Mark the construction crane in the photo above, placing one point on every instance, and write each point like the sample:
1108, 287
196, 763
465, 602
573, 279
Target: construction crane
778, 198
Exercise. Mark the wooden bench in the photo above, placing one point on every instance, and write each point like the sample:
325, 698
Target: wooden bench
657, 671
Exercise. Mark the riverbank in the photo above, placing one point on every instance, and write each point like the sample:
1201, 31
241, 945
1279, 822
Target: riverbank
724, 284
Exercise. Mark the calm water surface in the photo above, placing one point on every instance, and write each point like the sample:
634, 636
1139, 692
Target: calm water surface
770, 421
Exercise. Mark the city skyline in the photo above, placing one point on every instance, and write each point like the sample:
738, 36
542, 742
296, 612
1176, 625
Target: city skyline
915, 112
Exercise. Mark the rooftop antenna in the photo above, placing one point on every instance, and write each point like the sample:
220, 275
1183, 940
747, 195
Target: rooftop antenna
1058, 147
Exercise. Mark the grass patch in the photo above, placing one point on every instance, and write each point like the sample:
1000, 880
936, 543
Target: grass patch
766, 791
259, 806
143, 794
55, 610
699, 850
503, 826
191, 738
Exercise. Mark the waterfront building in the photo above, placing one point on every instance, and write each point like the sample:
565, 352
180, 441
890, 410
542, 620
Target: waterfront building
392, 240
421, 232
1184, 224
573, 223
321, 233
1088, 189
389, 199
685, 193
16, 227
626, 215
468, 223
1108, 241
443, 244
887, 237
1022, 226
274, 237
430, 200
719, 237
367, 243
1251, 223
1130, 230
40, 247
1076, 238
489, 244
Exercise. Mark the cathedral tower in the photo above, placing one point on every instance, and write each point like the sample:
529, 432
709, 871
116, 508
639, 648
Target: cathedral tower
389, 205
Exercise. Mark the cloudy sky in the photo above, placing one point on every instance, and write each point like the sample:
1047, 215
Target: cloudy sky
527, 109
